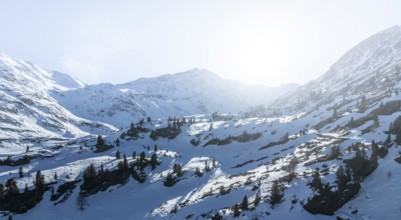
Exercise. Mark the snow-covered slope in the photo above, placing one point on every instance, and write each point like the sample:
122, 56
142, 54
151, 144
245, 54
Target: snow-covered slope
206, 164
369, 59
28, 111
196, 91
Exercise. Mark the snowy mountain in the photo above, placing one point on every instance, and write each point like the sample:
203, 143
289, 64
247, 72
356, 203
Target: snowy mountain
328, 150
369, 59
28, 111
196, 91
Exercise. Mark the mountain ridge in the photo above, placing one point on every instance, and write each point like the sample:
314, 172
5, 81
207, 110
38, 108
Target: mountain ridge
329, 150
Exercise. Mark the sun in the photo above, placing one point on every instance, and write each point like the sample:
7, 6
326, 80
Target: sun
260, 58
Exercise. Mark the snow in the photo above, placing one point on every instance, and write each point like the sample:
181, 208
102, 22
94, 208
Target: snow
39, 112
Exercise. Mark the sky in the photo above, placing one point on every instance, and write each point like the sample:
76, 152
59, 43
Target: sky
270, 42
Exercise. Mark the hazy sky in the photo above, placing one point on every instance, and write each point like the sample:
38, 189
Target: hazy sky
267, 42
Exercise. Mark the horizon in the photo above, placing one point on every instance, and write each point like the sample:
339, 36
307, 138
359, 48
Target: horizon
264, 43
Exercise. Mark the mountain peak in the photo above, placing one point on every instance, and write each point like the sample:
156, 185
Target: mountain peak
371, 55
198, 73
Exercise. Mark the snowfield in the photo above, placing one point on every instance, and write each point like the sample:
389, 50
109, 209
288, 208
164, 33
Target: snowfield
211, 150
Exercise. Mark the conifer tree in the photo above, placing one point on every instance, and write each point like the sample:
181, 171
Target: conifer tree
398, 138
142, 156
89, 172
198, 172
20, 172
99, 142
125, 163
256, 201
11, 186
316, 183
236, 211
244, 204
133, 154
2, 191
342, 179
101, 170
118, 156
39, 179
276, 194
207, 167
153, 161
132, 126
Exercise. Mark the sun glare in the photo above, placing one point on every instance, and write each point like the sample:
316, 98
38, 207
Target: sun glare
260, 57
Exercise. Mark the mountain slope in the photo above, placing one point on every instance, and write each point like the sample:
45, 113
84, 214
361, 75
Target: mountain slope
329, 150
193, 92
28, 111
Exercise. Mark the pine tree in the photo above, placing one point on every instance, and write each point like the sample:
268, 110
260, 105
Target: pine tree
134, 155
198, 172
20, 172
99, 142
211, 127
207, 167
141, 122
375, 149
363, 104
177, 169
55, 176
142, 156
27, 149
316, 183
155, 148
276, 194
342, 179
132, 127
335, 151
39, 179
398, 138
117, 142
89, 172
236, 211
169, 180
1, 191
244, 204
148, 120
256, 201
125, 163
11, 186
153, 161
118, 156
217, 216
101, 170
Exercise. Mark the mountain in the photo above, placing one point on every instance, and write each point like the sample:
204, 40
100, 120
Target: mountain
369, 59
28, 111
329, 150
196, 91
